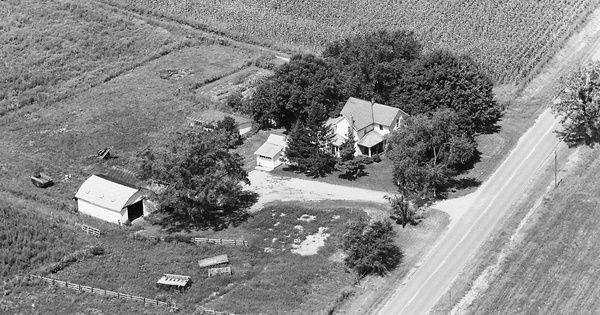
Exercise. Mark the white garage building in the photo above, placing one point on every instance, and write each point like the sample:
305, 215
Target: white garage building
110, 199
270, 154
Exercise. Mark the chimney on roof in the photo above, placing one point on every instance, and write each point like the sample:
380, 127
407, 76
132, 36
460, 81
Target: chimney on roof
372, 113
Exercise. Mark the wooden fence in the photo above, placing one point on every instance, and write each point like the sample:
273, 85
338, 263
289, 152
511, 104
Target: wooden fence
118, 295
211, 312
90, 230
219, 241
218, 271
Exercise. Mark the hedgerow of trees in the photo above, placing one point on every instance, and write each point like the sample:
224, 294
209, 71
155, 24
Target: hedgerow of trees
201, 178
578, 106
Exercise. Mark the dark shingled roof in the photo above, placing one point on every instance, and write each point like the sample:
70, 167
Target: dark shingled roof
365, 113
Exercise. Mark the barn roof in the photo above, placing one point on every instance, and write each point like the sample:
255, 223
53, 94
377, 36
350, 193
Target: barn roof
272, 146
121, 175
207, 262
106, 192
366, 113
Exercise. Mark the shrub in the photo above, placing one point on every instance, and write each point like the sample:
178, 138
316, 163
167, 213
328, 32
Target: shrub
376, 158
97, 250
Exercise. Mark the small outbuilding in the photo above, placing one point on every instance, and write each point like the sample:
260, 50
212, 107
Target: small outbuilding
110, 199
270, 154
178, 282
214, 262
208, 117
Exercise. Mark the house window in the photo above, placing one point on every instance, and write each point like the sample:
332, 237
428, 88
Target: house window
266, 157
380, 127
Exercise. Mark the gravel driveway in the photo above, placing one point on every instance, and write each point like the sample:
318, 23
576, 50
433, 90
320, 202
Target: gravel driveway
277, 188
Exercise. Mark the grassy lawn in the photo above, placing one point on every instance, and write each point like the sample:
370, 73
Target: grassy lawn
276, 282
377, 176
262, 282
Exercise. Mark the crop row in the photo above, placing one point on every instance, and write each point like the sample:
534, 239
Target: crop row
508, 38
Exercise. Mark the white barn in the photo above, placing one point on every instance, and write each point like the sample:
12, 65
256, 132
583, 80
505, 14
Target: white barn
270, 154
110, 200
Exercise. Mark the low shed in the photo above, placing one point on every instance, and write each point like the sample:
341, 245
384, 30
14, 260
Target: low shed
270, 154
214, 262
169, 281
210, 116
110, 199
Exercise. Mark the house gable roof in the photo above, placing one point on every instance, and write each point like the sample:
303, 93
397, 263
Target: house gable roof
370, 139
365, 113
106, 193
272, 146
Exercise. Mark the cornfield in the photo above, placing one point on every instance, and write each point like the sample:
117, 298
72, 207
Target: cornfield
509, 38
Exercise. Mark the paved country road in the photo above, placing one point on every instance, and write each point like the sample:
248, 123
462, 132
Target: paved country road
503, 188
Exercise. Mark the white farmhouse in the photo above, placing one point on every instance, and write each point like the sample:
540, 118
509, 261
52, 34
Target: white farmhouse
369, 121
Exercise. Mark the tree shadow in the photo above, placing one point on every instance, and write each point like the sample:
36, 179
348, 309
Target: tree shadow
469, 164
494, 127
575, 139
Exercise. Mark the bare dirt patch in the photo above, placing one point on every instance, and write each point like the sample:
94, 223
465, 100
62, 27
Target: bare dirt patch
312, 243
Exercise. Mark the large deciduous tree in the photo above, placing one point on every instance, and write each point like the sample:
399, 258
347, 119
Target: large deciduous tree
441, 80
305, 85
426, 151
374, 62
202, 181
371, 249
578, 106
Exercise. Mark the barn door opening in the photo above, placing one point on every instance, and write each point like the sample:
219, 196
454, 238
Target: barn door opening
135, 210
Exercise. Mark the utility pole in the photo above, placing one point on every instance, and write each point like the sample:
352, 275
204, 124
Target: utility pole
555, 169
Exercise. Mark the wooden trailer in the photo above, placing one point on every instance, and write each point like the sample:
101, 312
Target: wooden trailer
41, 180
174, 282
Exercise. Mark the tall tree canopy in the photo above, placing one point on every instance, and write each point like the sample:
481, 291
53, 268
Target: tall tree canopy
374, 62
441, 80
307, 149
306, 89
578, 106
425, 153
202, 181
